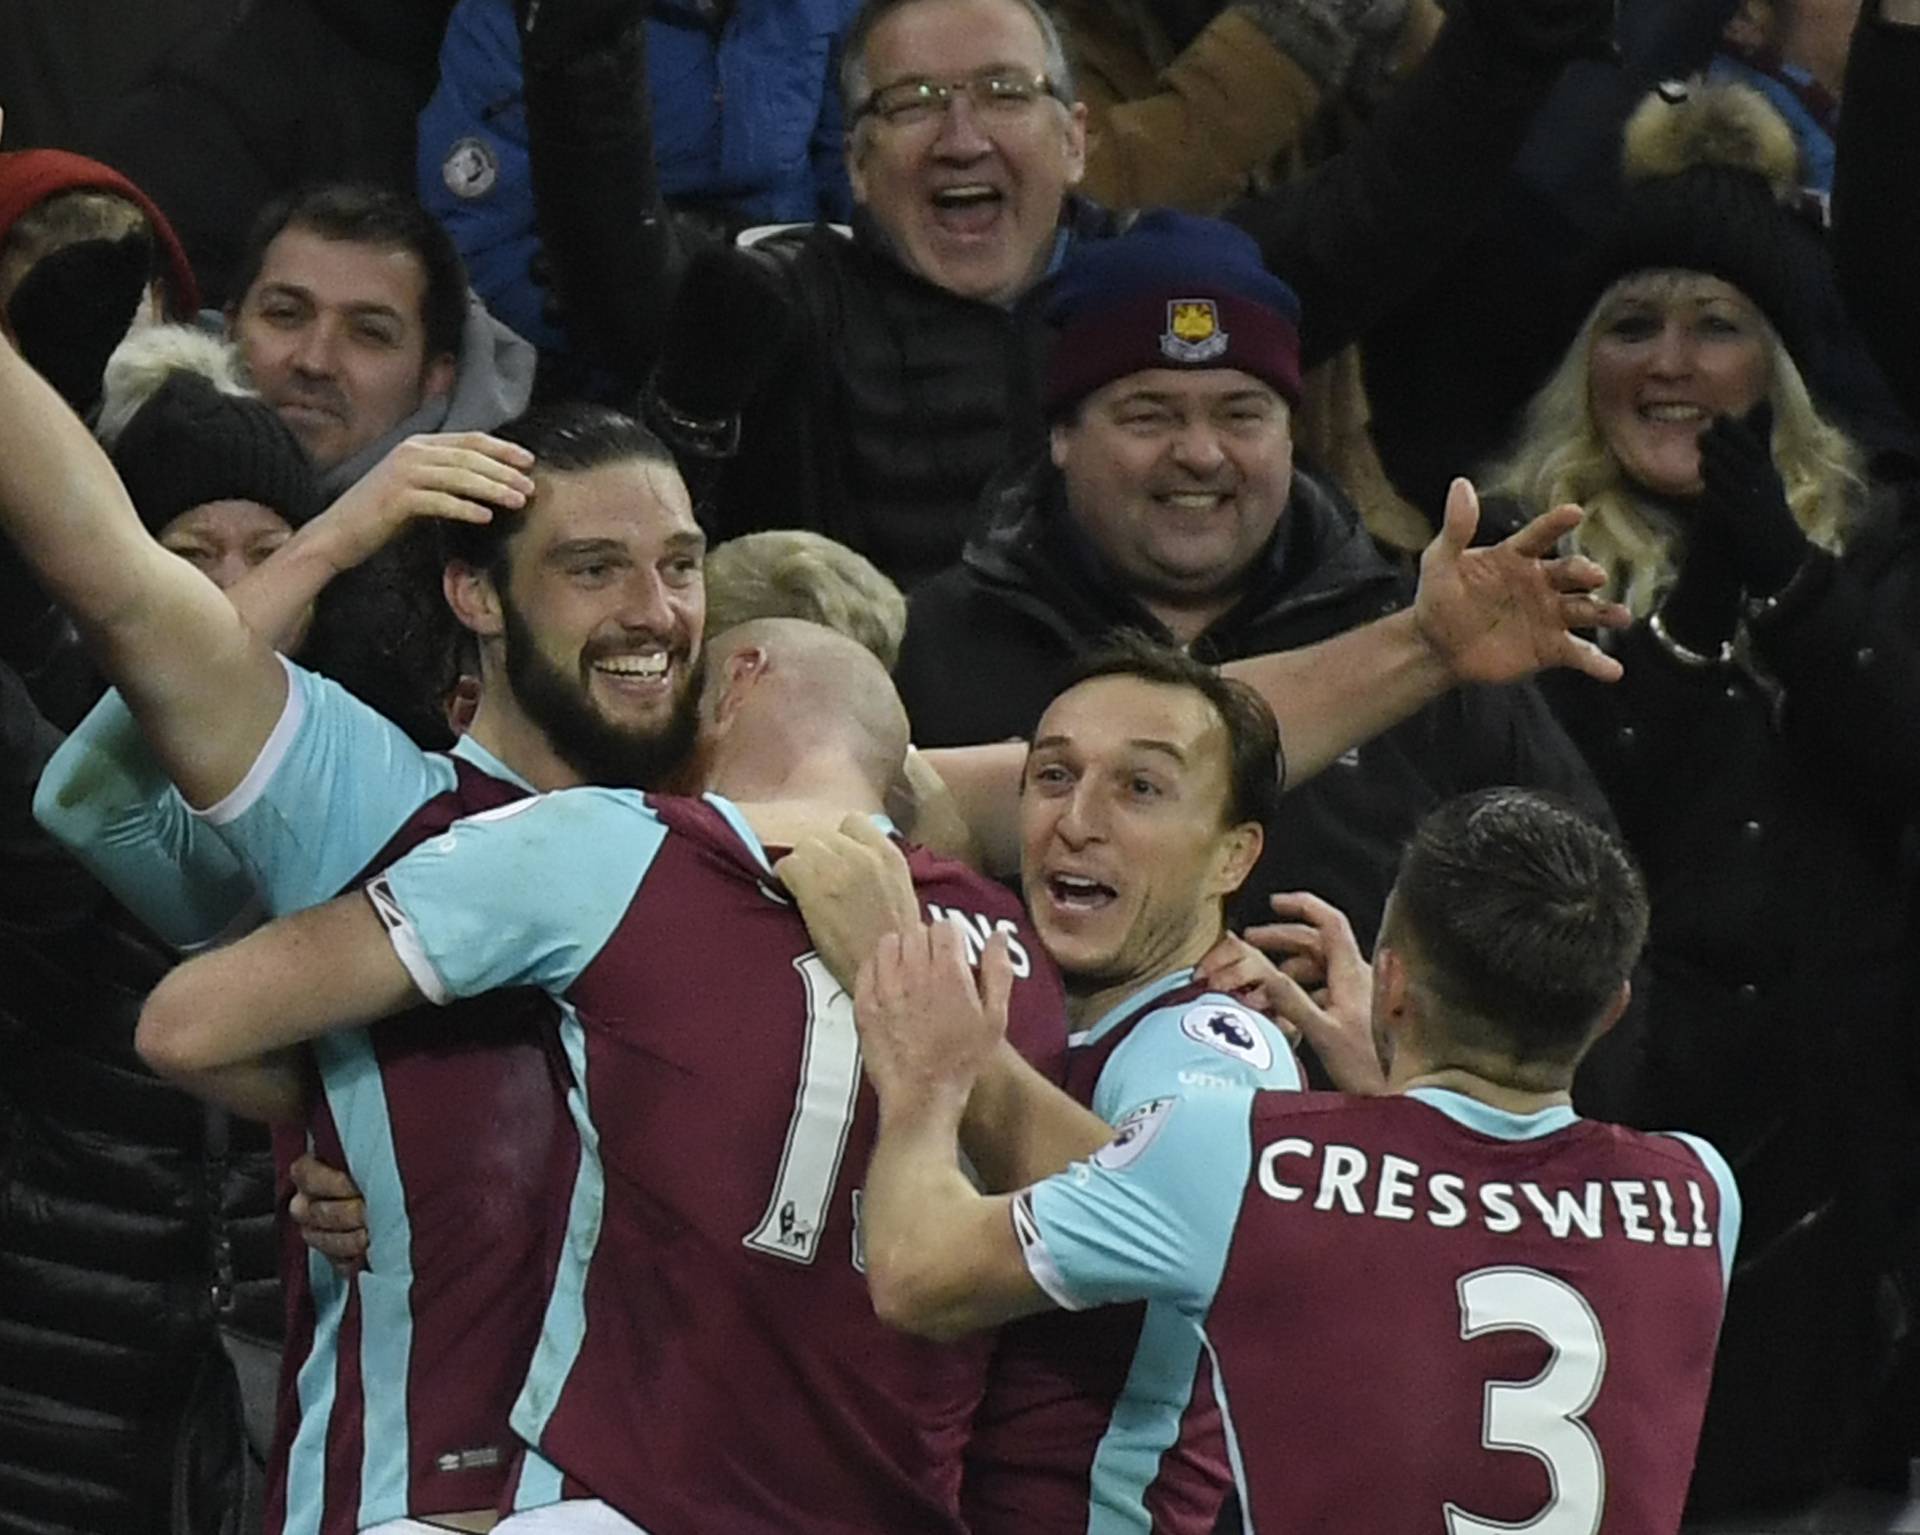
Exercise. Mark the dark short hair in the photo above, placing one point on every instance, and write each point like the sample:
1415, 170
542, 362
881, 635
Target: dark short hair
1253, 735
1523, 917
365, 214
565, 438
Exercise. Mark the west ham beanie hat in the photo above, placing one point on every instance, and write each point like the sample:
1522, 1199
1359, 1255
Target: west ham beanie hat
1173, 291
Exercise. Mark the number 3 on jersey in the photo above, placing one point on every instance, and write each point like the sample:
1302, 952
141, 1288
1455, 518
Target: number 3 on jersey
1541, 1417
822, 1115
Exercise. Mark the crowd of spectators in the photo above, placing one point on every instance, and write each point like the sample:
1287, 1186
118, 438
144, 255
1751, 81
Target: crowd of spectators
892, 319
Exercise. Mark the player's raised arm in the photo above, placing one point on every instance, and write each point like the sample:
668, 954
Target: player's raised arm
221, 1025
1488, 615
454, 476
1482, 615
942, 1260
204, 687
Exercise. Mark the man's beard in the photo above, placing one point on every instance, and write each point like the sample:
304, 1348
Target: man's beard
601, 752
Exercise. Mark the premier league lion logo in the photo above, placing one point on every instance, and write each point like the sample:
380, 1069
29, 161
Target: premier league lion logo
1230, 1029
1193, 331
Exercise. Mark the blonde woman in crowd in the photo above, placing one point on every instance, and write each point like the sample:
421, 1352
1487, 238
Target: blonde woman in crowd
1763, 757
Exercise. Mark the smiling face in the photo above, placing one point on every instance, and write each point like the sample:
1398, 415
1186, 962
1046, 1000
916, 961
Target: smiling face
601, 614
225, 539
1178, 477
1126, 853
333, 336
970, 197
1670, 351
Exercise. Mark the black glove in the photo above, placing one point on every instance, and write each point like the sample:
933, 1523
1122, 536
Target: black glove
555, 32
73, 308
728, 326
1703, 606
1744, 502
1547, 30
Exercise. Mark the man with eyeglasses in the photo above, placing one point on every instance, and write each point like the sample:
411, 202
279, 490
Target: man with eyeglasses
865, 384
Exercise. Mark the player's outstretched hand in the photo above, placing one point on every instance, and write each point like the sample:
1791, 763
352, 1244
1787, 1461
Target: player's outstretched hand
852, 886
927, 1030
1323, 986
456, 476
330, 1213
1502, 613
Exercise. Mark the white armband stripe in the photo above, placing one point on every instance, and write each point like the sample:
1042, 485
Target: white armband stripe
1039, 1257
245, 794
405, 939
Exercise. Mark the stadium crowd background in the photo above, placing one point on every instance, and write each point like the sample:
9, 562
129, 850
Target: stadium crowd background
1440, 187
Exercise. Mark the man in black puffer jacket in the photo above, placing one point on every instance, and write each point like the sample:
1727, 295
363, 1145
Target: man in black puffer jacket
1170, 505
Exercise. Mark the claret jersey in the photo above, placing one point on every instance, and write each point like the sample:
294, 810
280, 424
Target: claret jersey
1105, 1423
1419, 1312
709, 1357
397, 1381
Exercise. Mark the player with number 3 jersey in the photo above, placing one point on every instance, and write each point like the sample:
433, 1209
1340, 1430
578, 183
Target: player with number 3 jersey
1459, 1307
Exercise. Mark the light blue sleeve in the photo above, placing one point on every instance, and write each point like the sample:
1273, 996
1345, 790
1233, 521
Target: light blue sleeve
333, 784
1722, 1175
525, 895
1207, 1041
106, 799
1150, 1216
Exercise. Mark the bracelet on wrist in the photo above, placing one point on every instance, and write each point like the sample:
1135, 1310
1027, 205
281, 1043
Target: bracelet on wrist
1800, 588
1656, 626
706, 437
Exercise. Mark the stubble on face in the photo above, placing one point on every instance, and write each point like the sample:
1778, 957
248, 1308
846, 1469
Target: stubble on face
602, 752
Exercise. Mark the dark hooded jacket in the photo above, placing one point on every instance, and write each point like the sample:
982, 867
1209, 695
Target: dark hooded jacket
988, 641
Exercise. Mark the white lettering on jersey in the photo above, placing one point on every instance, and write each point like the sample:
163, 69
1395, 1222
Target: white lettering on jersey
1702, 1237
1134, 1134
1398, 1189
978, 931
1497, 1200
1270, 1182
1631, 1196
1670, 1232
1445, 1189
1565, 1211
1340, 1173
1396, 1183
1230, 1029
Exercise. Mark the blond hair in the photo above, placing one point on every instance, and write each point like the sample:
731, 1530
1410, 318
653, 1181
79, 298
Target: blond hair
1562, 457
790, 573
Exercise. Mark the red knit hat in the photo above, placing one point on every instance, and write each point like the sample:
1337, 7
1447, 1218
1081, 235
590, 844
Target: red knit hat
28, 177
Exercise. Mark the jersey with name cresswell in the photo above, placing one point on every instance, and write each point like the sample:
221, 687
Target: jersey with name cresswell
1422, 1312
1105, 1422
710, 1358
397, 1382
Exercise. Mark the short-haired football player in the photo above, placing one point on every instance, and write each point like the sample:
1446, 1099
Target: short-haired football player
708, 1356
1458, 1305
